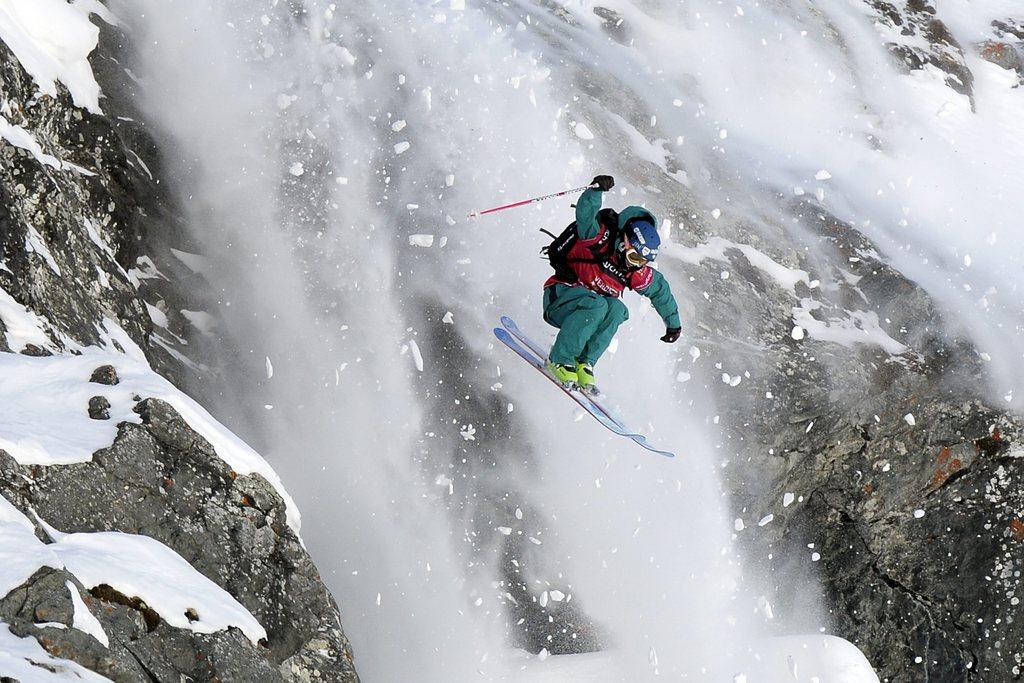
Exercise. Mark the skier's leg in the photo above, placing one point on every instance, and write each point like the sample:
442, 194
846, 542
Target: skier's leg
595, 347
577, 312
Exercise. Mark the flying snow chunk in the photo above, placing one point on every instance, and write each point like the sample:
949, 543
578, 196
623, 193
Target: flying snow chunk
787, 499
694, 353
738, 524
448, 319
683, 377
420, 240
918, 514
296, 169
403, 146
457, 5
716, 213
582, 132
909, 417
270, 368
417, 357
468, 432
449, 180
767, 519
723, 134
797, 333
341, 180
504, 530
398, 125
822, 175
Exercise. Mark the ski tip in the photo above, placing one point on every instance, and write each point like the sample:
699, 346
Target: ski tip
642, 441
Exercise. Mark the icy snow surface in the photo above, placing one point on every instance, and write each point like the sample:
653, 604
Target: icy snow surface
24, 659
134, 565
45, 419
52, 39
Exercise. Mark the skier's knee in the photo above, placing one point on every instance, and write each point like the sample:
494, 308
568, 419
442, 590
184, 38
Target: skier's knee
617, 311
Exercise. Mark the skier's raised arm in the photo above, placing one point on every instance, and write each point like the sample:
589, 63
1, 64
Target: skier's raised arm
589, 204
660, 294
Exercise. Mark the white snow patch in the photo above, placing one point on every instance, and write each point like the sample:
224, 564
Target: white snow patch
582, 132
860, 327
23, 139
83, 619
144, 567
52, 39
194, 262
22, 325
134, 565
45, 418
402, 147
715, 248
653, 151
24, 659
420, 240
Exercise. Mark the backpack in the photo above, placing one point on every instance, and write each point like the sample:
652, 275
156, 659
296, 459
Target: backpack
557, 252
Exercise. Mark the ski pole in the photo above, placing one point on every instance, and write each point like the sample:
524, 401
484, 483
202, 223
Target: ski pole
534, 200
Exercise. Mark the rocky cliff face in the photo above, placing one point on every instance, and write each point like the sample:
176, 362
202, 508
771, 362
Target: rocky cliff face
91, 263
885, 464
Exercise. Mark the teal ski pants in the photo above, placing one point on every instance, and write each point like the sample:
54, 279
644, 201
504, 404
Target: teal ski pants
587, 321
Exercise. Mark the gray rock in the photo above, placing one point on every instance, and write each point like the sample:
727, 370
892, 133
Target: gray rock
164, 480
1005, 55
105, 374
99, 408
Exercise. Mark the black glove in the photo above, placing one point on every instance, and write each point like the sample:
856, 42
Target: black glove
603, 182
671, 335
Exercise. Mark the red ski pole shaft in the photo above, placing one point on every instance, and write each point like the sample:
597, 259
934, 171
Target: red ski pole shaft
533, 200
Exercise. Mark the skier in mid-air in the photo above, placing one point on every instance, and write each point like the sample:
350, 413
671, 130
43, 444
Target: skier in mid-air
595, 259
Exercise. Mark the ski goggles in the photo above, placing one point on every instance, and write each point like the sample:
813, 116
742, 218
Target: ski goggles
634, 258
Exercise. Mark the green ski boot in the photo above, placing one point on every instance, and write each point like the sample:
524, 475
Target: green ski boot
565, 374
585, 378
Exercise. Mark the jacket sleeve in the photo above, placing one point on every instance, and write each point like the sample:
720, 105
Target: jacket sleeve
660, 295
587, 207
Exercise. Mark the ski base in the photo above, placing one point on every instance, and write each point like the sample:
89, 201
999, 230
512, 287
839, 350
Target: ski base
514, 338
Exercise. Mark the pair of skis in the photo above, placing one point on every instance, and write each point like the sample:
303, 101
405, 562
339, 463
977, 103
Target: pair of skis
511, 336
